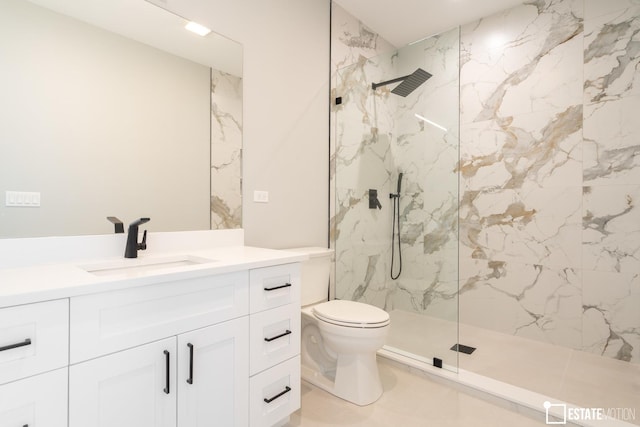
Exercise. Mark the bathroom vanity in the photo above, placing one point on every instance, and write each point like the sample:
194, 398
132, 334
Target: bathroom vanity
203, 336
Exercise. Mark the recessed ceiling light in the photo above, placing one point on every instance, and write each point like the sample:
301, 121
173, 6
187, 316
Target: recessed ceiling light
200, 30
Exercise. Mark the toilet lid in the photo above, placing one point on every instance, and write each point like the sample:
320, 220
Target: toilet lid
351, 313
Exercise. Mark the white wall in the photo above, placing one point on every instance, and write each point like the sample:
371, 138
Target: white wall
101, 126
286, 114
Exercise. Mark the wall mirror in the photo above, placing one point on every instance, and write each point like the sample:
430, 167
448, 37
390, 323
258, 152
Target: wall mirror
112, 108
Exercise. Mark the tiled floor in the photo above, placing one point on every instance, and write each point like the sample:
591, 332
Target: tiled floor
584, 379
409, 400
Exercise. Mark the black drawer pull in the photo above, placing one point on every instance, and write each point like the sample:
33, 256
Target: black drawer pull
167, 389
20, 344
287, 389
278, 336
190, 379
286, 285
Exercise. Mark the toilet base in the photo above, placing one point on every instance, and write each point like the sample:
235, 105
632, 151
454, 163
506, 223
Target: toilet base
357, 379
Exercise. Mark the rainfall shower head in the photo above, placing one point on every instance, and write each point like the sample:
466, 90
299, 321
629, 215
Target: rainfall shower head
409, 83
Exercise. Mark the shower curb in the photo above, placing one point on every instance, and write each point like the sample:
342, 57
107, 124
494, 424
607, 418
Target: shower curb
513, 398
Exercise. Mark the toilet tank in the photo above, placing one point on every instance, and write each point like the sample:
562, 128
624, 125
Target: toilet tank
314, 281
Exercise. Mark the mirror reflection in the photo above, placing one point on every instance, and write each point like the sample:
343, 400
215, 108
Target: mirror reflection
102, 117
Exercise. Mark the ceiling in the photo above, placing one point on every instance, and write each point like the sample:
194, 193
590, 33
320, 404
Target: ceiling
401, 22
145, 22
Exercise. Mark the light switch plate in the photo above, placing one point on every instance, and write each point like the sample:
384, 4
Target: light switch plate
22, 198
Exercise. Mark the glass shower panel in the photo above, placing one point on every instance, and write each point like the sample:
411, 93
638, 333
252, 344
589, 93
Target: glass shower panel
379, 135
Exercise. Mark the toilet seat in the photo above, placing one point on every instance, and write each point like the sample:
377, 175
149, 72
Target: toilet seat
351, 314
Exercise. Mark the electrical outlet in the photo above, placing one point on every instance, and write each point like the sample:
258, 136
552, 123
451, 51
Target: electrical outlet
261, 196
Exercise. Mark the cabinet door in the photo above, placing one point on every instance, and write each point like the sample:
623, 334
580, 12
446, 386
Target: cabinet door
274, 337
275, 394
132, 388
36, 401
34, 338
271, 287
213, 375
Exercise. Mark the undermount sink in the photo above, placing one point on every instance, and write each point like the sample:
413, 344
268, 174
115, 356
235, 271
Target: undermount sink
143, 266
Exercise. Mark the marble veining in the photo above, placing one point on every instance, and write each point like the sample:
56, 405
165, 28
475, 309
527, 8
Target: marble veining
545, 216
353, 39
612, 55
507, 60
226, 150
611, 223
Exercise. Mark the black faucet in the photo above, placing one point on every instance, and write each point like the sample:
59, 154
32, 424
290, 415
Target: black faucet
131, 250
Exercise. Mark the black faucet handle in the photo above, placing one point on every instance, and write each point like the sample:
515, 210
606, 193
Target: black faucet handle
143, 245
132, 247
118, 225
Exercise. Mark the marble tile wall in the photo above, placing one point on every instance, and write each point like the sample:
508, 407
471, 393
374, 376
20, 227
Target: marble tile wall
549, 169
521, 172
548, 223
611, 174
352, 44
377, 135
226, 150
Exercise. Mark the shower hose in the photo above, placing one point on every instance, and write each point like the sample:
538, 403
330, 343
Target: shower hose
396, 220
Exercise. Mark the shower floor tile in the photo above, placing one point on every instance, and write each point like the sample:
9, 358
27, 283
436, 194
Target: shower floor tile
573, 376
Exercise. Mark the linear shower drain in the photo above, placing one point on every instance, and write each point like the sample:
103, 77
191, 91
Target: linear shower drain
461, 348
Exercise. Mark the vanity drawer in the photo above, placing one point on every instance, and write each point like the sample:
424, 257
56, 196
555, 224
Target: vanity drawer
274, 336
274, 286
112, 321
275, 393
34, 338
36, 401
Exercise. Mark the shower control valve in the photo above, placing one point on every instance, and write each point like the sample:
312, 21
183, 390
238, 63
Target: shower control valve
373, 200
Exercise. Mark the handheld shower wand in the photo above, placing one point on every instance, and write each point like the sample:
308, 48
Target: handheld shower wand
394, 221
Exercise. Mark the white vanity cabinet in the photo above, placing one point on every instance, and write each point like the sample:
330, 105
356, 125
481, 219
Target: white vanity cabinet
195, 379
34, 338
198, 349
174, 353
212, 381
275, 344
129, 388
33, 364
112, 321
40, 400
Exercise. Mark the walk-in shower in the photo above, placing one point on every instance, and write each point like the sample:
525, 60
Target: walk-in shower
403, 257
517, 228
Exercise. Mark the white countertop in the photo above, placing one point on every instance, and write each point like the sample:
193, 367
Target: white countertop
37, 283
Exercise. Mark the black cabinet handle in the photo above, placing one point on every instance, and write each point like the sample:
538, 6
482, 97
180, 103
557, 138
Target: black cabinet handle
190, 379
284, 334
167, 357
20, 344
286, 285
287, 389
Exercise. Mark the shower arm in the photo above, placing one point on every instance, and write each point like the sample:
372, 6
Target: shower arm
374, 86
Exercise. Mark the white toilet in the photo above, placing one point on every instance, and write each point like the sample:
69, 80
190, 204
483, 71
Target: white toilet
339, 338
